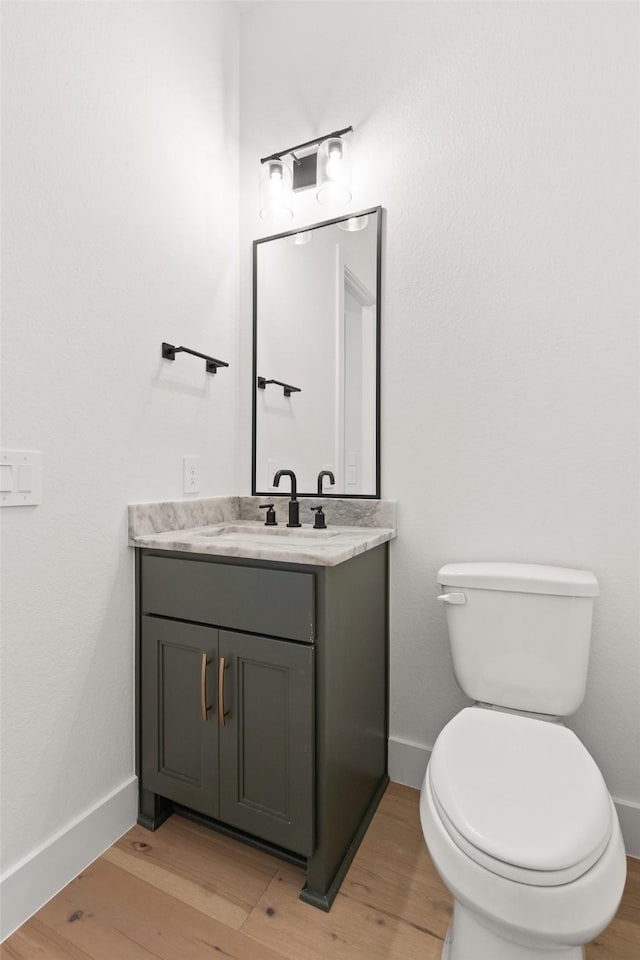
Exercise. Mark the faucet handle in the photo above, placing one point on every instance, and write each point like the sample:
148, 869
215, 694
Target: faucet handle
319, 522
271, 514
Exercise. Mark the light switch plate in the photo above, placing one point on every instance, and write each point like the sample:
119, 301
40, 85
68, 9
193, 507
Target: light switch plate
21, 478
6, 477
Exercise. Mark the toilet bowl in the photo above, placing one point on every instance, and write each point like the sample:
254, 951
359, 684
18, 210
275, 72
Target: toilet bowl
534, 872
514, 810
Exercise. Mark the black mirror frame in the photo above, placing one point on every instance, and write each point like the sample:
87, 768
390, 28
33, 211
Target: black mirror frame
254, 382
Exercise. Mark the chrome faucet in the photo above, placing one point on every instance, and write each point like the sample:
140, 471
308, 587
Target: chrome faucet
294, 506
325, 473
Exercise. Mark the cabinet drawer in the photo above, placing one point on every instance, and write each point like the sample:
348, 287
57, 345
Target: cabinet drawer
252, 599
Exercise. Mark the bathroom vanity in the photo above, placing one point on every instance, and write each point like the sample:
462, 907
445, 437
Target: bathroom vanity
262, 676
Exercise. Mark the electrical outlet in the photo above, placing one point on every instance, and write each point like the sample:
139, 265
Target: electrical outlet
191, 474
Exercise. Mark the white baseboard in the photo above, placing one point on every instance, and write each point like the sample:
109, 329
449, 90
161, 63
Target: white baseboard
629, 817
31, 883
408, 762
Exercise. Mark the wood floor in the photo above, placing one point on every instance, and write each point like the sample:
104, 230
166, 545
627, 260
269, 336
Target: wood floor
187, 893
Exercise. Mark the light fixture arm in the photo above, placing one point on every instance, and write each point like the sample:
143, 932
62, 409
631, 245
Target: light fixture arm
301, 146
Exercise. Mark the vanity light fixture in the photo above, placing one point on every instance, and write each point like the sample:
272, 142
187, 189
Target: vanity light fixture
276, 191
323, 163
333, 183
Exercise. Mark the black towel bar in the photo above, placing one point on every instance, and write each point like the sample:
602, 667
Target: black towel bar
169, 353
288, 389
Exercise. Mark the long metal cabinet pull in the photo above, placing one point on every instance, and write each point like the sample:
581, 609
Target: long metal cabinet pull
222, 713
203, 686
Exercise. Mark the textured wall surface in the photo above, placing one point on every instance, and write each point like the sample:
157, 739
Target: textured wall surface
119, 190
502, 139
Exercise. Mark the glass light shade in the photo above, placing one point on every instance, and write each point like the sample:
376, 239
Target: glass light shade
333, 179
300, 239
276, 192
354, 223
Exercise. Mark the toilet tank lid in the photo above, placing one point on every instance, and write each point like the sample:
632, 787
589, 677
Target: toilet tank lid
520, 577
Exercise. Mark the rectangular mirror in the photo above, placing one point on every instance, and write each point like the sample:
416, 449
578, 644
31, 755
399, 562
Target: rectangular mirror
316, 356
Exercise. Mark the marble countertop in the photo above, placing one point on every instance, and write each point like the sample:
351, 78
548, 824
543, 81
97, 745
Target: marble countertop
234, 527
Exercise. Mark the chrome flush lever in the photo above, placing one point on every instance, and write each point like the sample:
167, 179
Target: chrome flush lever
452, 598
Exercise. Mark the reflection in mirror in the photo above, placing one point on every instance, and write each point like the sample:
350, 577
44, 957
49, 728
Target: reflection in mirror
316, 356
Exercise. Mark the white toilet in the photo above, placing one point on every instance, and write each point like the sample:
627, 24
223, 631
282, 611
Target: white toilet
515, 813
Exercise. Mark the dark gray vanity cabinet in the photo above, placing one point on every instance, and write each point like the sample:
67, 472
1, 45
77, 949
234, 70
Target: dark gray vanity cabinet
228, 728
262, 701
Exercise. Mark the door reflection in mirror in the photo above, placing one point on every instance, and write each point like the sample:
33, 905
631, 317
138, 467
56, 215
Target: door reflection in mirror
317, 325
355, 449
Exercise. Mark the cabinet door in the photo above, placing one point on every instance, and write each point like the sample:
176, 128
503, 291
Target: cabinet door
179, 742
267, 741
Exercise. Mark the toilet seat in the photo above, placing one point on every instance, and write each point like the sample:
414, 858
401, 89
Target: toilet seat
540, 916
521, 797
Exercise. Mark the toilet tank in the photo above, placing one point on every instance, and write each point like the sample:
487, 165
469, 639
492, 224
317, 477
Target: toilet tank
520, 633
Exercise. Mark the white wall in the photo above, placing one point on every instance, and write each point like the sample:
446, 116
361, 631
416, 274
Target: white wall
502, 139
119, 190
